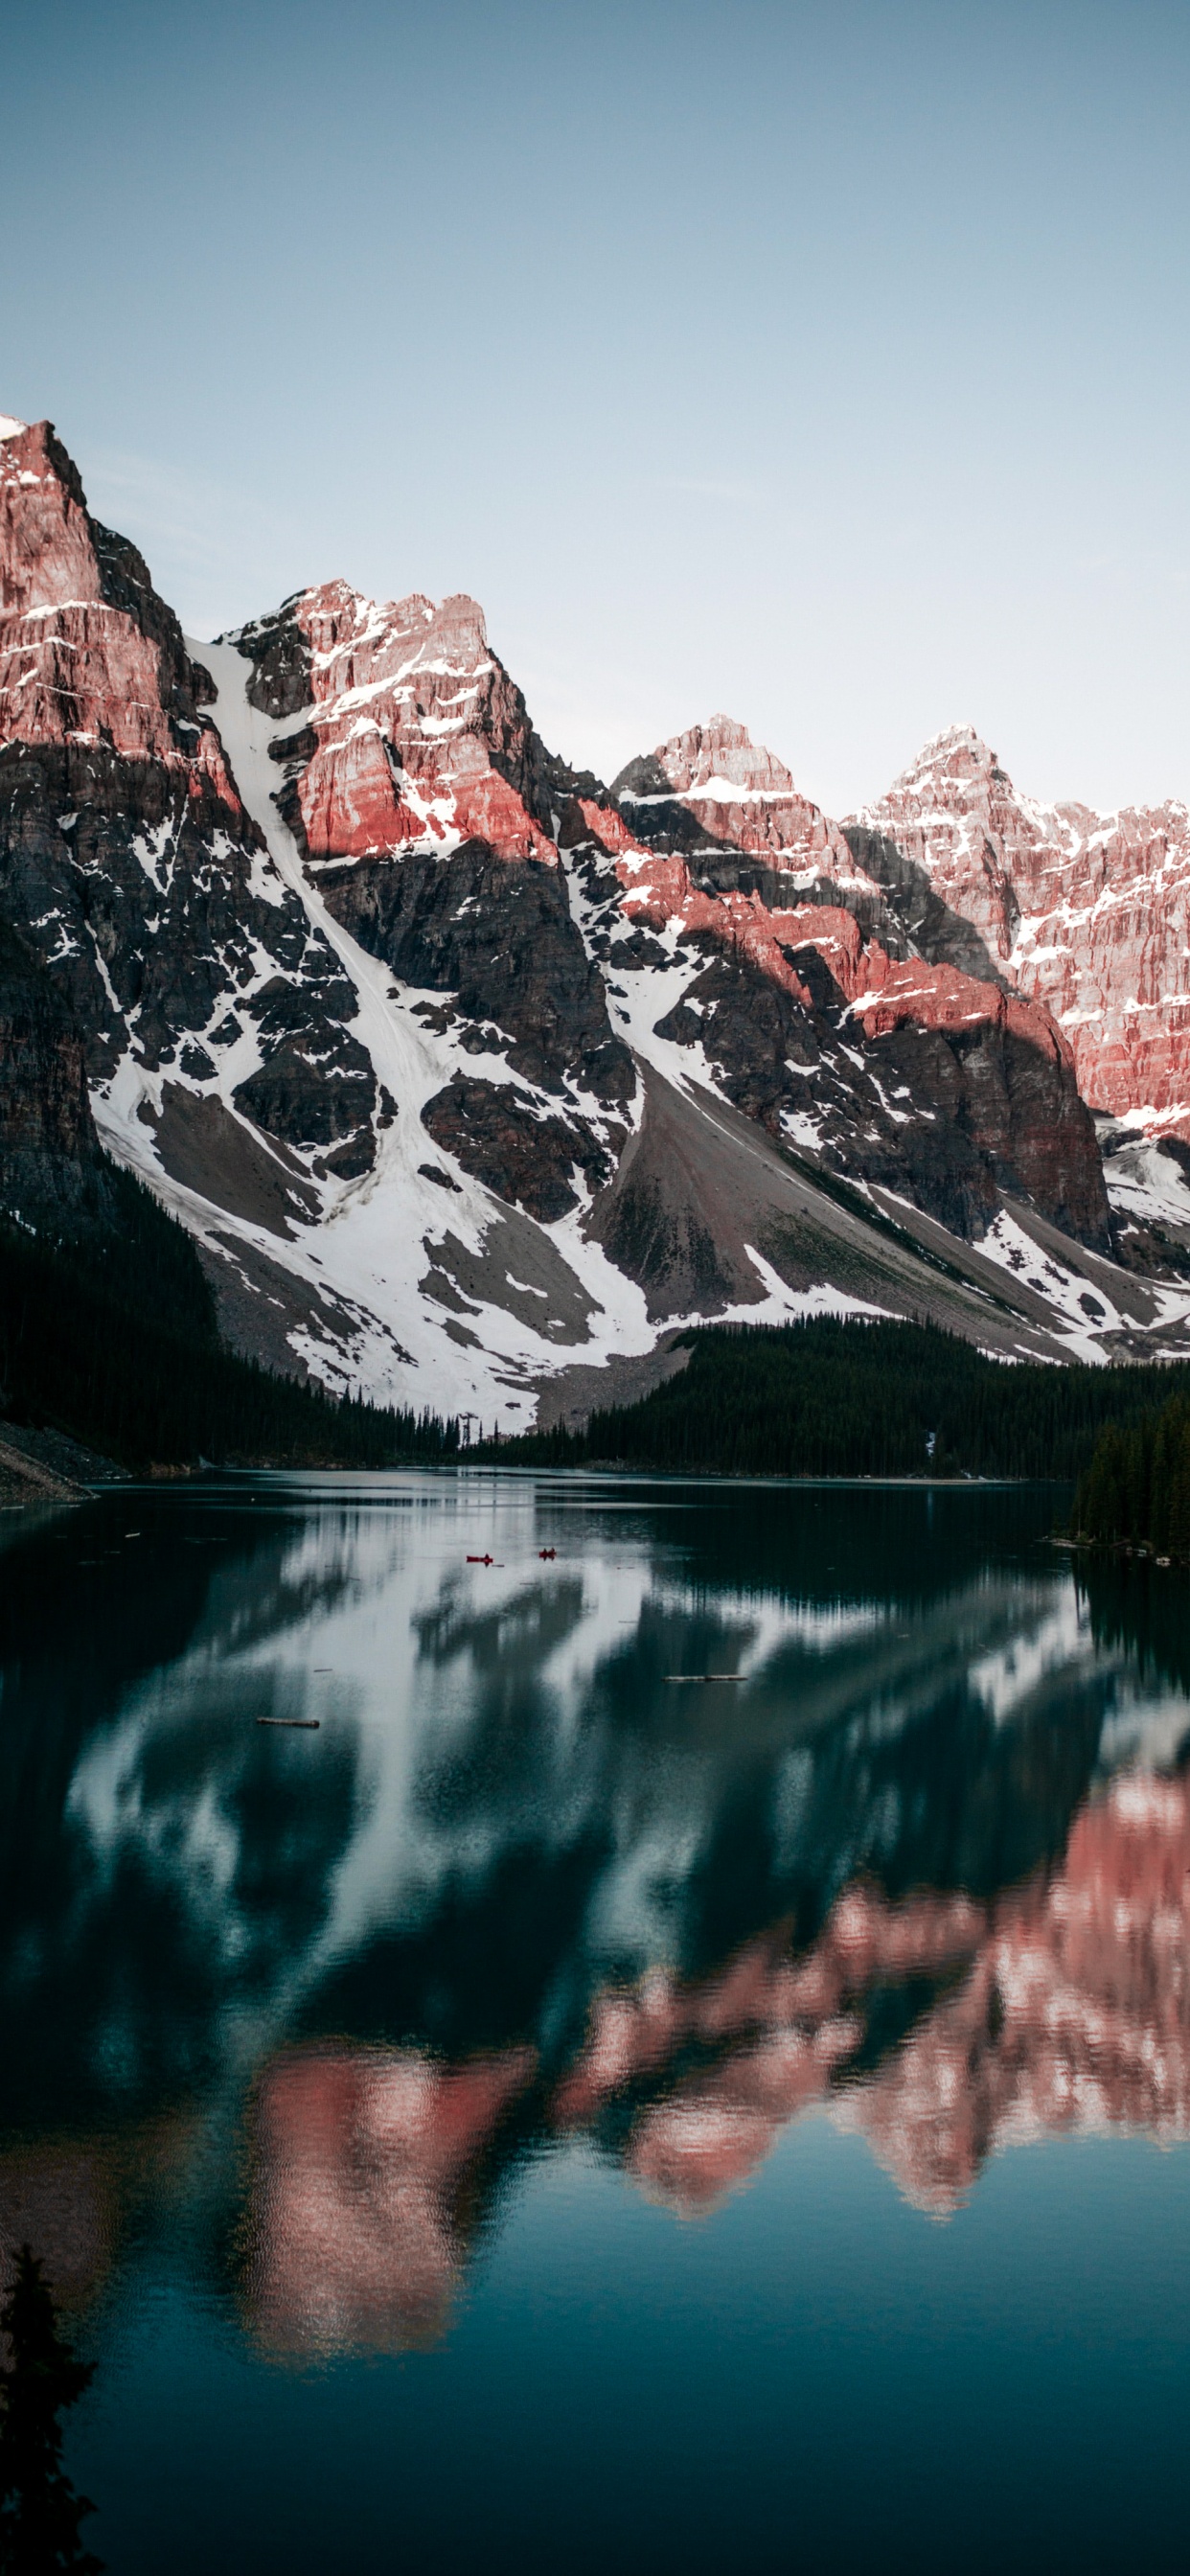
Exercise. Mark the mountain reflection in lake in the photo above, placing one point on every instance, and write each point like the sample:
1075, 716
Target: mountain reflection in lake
300, 2023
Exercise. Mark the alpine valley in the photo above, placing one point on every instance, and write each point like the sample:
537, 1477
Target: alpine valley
475, 1080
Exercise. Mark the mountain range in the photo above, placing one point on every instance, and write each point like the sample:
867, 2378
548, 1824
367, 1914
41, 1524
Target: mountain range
475, 1080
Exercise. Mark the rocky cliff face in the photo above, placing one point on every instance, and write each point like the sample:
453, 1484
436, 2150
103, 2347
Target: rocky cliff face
126, 857
731, 810
450, 1056
415, 735
410, 791
1087, 913
49, 1150
907, 1072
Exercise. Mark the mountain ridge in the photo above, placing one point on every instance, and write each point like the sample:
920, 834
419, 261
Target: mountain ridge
471, 1075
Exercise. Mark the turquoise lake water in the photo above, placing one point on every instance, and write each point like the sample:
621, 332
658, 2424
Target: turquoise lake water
688, 2064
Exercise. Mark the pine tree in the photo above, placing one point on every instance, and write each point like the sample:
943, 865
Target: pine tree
40, 2512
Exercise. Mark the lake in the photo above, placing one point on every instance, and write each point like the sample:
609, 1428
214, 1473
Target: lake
686, 2065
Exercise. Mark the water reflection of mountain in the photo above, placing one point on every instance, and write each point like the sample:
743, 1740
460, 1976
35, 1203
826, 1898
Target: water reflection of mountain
1062, 2007
522, 1883
129, 1797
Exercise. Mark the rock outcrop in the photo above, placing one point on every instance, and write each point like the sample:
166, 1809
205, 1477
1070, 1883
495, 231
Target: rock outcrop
126, 857
330, 940
412, 787
893, 1068
89, 656
417, 736
1086, 913
731, 809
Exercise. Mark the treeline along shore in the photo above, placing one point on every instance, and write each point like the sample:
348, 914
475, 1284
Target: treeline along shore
114, 1343
835, 1398
1136, 1491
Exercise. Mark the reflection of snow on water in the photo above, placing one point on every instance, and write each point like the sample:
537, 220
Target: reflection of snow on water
701, 1910
1060, 1639
1143, 1731
417, 1647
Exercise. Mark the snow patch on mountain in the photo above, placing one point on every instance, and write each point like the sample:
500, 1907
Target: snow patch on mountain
1084, 1313
382, 1251
1088, 913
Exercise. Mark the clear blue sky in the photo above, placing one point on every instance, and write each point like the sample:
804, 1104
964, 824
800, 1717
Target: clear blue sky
825, 364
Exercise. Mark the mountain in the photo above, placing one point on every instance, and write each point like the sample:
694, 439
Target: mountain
474, 1080
823, 1030
1085, 912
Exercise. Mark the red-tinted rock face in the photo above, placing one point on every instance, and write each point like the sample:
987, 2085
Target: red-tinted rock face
736, 795
884, 994
723, 849
127, 862
415, 788
76, 666
940, 997
1087, 913
47, 555
659, 890
726, 782
417, 727
797, 994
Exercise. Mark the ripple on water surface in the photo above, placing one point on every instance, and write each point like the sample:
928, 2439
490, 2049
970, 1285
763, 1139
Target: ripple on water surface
695, 2013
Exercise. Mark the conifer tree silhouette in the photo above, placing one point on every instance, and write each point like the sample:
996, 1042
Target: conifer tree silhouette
40, 2512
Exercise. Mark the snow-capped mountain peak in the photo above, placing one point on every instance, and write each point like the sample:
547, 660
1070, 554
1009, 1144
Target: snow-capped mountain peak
473, 1078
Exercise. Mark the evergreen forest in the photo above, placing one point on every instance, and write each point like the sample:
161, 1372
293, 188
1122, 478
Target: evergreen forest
837, 1398
112, 1339
1136, 1491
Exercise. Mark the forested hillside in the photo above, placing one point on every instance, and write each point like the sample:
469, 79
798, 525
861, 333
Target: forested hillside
111, 1338
1136, 1490
828, 1398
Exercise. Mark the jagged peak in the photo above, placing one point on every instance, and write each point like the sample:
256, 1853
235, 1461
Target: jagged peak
722, 750
334, 614
336, 617
32, 453
955, 768
957, 753
54, 557
708, 761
